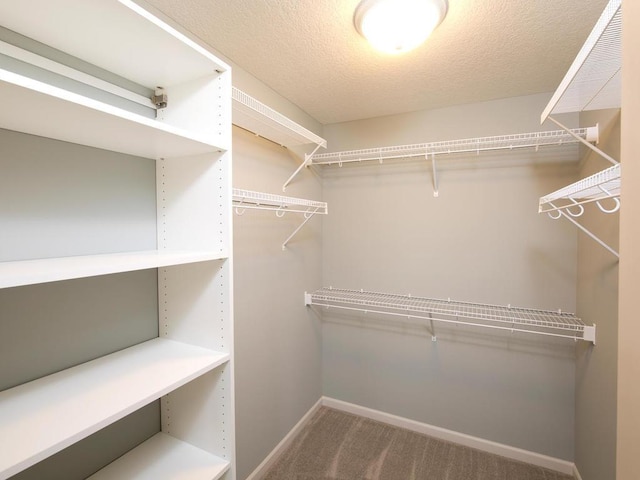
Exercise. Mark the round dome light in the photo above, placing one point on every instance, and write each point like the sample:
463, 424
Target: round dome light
397, 26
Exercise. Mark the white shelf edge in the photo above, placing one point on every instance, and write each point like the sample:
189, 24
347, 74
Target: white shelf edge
268, 201
46, 415
467, 145
508, 318
258, 118
601, 57
164, 457
30, 272
131, 133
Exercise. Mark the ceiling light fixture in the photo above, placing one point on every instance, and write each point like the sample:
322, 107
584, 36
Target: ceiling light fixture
397, 26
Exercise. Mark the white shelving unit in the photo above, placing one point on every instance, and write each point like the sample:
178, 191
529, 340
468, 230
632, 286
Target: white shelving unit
255, 116
189, 367
456, 147
524, 320
592, 82
243, 199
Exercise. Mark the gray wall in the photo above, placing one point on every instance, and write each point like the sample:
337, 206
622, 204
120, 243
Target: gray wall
597, 294
481, 240
277, 340
60, 199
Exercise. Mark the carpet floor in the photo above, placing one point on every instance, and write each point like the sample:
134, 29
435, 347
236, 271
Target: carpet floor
340, 446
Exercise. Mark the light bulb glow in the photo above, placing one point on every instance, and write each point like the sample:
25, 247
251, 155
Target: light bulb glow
397, 26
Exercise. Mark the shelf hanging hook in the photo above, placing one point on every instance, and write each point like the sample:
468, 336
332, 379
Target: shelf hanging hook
559, 214
580, 209
615, 208
280, 211
612, 210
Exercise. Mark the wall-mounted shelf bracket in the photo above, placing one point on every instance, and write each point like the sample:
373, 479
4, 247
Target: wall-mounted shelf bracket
304, 164
435, 174
243, 199
513, 319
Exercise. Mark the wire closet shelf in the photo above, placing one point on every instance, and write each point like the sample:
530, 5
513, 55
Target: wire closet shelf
600, 186
593, 82
263, 120
468, 145
514, 319
243, 199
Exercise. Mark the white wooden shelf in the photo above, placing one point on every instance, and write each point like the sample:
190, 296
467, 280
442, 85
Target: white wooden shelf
44, 416
87, 76
593, 81
513, 319
144, 48
164, 457
450, 147
600, 186
243, 199
33, 107
258, 118
29, 272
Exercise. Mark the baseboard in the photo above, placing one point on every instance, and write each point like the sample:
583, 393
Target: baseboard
576, 473
268, 462
556, 464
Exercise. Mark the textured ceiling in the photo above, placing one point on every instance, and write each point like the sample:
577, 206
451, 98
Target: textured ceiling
309, 51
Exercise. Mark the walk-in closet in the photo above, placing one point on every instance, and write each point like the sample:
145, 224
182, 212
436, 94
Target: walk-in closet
245, 240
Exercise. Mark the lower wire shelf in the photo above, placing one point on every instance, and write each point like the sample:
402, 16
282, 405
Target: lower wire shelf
514, 319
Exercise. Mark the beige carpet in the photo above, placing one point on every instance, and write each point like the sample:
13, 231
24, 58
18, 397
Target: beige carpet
339, 446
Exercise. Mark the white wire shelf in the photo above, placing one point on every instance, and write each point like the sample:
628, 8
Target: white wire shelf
468, 145
600, 186
594, 79
264, 121
243, 199
540, 322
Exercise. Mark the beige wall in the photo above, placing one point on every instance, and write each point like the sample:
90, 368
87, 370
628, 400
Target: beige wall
481, 240
597, 294
629, 324
277, 340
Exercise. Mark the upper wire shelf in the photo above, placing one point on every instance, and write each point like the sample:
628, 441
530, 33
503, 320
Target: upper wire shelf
468, 145
540, 322
264, 121
243, 199
594, 79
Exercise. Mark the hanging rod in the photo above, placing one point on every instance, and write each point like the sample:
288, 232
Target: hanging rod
243, 199
468, 145
525, 320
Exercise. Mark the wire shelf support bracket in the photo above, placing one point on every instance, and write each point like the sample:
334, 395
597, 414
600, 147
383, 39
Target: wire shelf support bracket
243, 199
513, 319
592, 82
